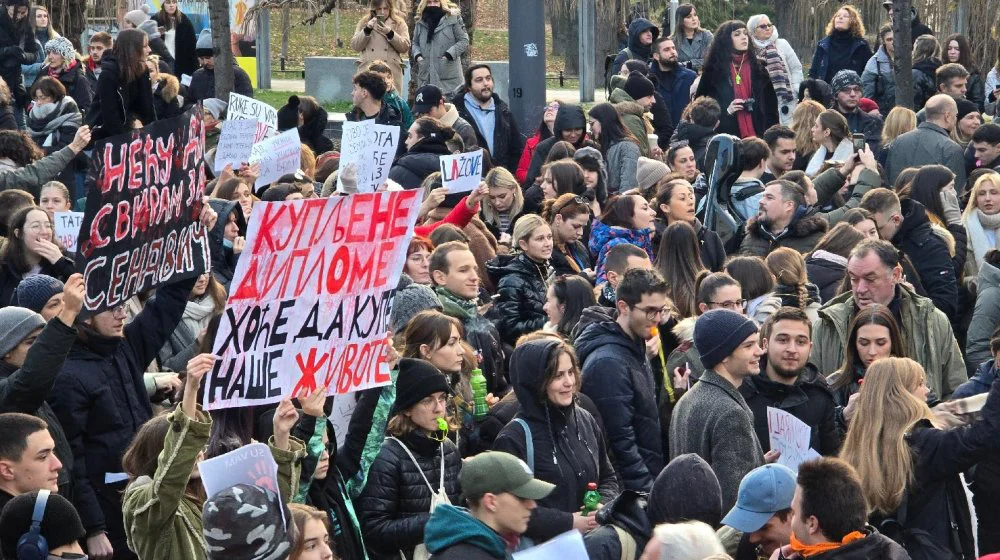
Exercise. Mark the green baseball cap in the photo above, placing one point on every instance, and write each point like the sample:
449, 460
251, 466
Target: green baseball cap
496, 472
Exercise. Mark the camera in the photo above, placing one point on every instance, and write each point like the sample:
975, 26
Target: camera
748, 104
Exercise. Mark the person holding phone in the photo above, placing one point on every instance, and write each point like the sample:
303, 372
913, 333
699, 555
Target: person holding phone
439, 41
383, 35
847, 94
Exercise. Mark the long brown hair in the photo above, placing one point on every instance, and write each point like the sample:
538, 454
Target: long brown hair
429, 327
679, 261
129, 50
803, 117
789, 268
872, 315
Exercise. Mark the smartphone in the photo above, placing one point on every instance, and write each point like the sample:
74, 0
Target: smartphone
859, 142
381, 19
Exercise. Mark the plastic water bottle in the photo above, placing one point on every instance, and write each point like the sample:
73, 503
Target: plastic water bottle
591, 499
478, 383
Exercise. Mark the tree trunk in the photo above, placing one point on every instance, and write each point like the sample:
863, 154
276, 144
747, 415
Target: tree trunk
218, 13
469, 19
411, 23
69, 18
286, 25
903, 65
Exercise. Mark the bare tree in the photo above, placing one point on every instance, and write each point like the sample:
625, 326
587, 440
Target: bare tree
903, 65
222, 51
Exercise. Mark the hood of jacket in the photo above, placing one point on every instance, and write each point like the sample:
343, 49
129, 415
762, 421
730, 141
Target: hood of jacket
590, 315
684, 329
875, 546
224, 208
989, 276
686, 490
625, 104
518, 263
568, 117
693, 133
628, 510
169, 87
587, 153
636, 28
804, 226
314, 127
914, 219
607, 333
450, 525
527, 372
928, 66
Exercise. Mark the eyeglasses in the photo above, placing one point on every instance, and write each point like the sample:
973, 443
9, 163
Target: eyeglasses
652, 313
39, 226
733, 305
119, 311
41, 97
765, 26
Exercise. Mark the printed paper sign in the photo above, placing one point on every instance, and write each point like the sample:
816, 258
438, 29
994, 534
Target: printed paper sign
251, 464
370, 148
462, 172
242, 107
141, 225
567, 545
68, 228
790, 436
235, 144
311, 298
277, 156
340, 415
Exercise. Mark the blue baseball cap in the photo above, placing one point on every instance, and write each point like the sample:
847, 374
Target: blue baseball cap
764, 491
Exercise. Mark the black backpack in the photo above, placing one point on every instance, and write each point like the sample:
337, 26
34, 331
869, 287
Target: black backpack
920, 544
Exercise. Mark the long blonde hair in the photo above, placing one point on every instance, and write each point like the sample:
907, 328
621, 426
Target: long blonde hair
446, 5
803, 118
397, 14
899, 121
993, 179
876, 443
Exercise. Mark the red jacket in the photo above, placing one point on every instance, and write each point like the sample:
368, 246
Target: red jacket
459, 216
525, 163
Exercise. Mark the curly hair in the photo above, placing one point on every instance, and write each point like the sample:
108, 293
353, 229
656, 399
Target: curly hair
17, 146
857, 28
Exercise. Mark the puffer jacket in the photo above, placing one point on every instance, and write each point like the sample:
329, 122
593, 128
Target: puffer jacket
802, 235
569, 448
604, 237
419, 162
568, 117
520, 282
617, 376
878, 81
930, 256
223, 258
623, 160
450, 40
696, 136
395, 504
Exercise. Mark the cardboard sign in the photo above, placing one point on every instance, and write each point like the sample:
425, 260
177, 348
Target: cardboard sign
235, 144
68, 228
242, 107
141, 225
790, 436
277, 156
311, 298
370, 148
251, 464
462, 172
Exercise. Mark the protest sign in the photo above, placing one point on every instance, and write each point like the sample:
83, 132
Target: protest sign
790, 436
311, 298
462, 172
68, 228
242, 107
277, 156
235, 144
370, 148
141, 227
340, 416
567, 545
251, 464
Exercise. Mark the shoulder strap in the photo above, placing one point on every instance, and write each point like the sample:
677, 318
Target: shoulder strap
627, 542
528, 443
747, 192
416, 464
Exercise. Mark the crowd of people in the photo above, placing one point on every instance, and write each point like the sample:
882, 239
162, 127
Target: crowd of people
630, 349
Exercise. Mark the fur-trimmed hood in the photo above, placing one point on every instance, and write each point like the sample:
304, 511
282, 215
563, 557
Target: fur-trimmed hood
802, 227
170, 87
684, 329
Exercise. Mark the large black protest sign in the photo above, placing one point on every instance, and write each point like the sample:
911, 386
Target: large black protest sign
141, 225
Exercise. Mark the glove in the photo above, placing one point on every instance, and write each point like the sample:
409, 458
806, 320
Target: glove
28, 58
952, 212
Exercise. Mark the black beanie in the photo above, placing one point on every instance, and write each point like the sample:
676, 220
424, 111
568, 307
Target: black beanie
288, 116
638, 86
60, 523
416, 379
686, 490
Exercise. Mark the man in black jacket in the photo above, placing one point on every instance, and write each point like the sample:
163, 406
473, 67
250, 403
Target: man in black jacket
495, 126
203, 80
788, 382
846, 97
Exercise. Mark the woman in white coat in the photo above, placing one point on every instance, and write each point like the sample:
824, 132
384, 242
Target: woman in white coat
781, 62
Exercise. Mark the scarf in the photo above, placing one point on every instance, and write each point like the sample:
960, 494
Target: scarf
742, 90
197, 313
976, 225
844, 150
45, 120
376, 435
432, 17
777, 70
456, 306
807, 550
55, 72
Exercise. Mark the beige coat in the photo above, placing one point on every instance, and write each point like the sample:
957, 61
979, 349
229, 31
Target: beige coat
376, 46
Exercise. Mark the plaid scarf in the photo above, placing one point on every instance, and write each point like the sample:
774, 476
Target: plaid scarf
771, 59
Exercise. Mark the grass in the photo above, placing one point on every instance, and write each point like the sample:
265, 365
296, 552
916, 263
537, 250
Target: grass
277, 99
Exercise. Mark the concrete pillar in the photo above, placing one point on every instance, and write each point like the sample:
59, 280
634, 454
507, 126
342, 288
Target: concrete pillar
526, 48
264, 49
587, 44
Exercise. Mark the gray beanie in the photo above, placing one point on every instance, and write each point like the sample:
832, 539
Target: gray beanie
136, 17
244, 522
16, 323
215, 106
410, 298
203, 46
61, 46
718, 332
150, 28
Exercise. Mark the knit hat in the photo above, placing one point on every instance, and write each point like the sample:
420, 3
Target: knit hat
638, 86
35, 291
16, 323
203, 46
215, 106
844, 79
137, 17
416, 379
671, 499
150, 28
410, 298
244, 522
867, 105
60, 522
648, 172
718, 332
965, 107
62, 47
288, 115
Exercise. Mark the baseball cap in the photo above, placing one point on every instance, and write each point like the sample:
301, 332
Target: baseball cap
764, 491
426, 98
496, 472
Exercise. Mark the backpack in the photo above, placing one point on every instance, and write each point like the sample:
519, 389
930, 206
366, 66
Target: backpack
524, 542
920, 544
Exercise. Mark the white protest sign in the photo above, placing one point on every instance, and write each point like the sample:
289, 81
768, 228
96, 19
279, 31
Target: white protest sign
567, 545
277, 156
68, 228
235, 144
790, 436
370, 148
251, 464
340, 415
242, 107
186, 80
462, 172
310, 300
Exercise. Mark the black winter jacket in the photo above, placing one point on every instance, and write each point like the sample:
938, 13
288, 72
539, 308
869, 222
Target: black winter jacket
100, 399
395, 504
17, 47
822, 66
861, 122
419, 162
930, 257
569, 448
203, 84
10, 278
568, 117
507, 140
185, 59
312, 133
25, 389
875, 546
809, 400
580, 256
697, 137
159, 48
628, 512
520, 282
223, 259
617, 376
826, 274
717, 84
116, 104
